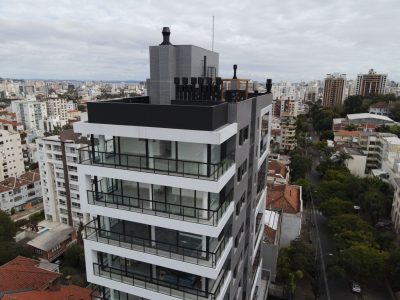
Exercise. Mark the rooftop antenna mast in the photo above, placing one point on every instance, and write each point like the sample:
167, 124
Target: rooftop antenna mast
212, 45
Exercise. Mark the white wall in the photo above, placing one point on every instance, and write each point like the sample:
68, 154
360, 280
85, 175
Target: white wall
290, 228
357, 164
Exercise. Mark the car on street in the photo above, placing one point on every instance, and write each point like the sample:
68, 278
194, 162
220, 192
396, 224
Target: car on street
355, 287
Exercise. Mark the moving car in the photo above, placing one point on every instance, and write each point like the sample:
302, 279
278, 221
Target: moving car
355, 287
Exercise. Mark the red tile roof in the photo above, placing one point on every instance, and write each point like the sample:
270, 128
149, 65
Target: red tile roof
347, 133
14, 182
285, 197
23, 273
66, 292
275, 168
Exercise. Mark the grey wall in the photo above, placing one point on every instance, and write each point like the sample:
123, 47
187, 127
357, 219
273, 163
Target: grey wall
245, 113
169, 61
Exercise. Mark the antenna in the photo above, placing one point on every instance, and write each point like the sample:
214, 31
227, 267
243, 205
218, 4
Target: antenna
212, 45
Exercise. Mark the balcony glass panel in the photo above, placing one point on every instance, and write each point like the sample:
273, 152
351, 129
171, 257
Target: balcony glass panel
159, 279
161, 157
188, 205
163, 242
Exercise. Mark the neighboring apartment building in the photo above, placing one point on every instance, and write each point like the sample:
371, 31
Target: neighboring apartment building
396, 206
58, 161
334, 90
19, 193
282, 107
288, 127
371, 83
178, 189
11, 157
31, 114
56, 112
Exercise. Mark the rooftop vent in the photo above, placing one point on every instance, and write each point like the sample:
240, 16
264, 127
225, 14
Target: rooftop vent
166, 33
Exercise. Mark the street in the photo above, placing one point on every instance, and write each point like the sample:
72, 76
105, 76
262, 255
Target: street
337, 287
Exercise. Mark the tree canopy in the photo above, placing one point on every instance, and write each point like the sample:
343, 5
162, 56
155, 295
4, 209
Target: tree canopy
7, 228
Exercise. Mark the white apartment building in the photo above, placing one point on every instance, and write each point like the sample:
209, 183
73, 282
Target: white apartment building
57, 107
71, 105
176, 183
58, 161
11, 157
31, 114
17, 193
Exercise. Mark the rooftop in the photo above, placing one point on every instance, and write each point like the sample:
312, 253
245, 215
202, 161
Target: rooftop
392, 140
56, 233
368, 116
382, 104
138, 112
277, 169
271, 221
64, 292
347, 133
285, 197
14, 182
23, 273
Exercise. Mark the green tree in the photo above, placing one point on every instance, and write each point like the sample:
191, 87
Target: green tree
74, 257
10, 250
349, 238
395, 111
393, 269
7, 228
376, 204
353, 104
299, 166
326, 135
345, 222
336, 206
364, 261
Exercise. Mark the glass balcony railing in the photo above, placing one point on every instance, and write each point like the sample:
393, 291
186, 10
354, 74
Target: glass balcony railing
161, 209
155, 247
158, 165
181, 289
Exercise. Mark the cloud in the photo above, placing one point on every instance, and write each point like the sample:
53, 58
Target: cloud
285, 40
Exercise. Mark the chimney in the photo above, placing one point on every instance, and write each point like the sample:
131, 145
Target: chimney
269, 86
234, 71
166, 33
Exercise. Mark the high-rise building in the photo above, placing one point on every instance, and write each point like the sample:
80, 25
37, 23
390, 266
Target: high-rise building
177, 190
371, 83
11, 157
58, 159
286, 107
334, 89
31, 114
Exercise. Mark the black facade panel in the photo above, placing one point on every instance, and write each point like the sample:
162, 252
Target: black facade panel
193, 117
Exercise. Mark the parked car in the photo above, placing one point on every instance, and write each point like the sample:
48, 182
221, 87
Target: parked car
355, 287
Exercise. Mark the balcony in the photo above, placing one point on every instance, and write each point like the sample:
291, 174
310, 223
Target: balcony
157, 165
167, 283
190, 253
172, 208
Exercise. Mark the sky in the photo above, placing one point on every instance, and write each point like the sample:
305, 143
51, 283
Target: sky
290, 40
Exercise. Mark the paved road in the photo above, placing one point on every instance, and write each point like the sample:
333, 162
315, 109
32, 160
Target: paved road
338, 288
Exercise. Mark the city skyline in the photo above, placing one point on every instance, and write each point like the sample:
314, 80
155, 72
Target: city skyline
104, 41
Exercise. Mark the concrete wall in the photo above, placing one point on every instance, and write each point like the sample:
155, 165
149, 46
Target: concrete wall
169, 61
357, 165
270, 258
290, 230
